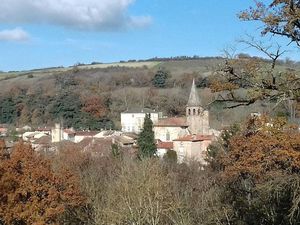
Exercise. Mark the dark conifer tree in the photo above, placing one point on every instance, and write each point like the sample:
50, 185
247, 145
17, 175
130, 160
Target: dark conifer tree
146, 142
160, 78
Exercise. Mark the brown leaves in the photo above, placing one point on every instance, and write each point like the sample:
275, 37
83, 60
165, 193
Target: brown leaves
281, 17
94, 105
217, 86
268, 147
31, 192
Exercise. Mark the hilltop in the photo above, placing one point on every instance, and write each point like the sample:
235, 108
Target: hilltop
92, 96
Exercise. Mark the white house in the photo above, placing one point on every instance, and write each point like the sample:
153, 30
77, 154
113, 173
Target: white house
80, 135
133, 120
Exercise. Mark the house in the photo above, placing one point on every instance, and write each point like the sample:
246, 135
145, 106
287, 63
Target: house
95, 146
23, 129
133, 120
32, 136
42, 144
45, 130
192, 147
124, 141
80, 135
68, 134
163, 147
169, 129
189, 135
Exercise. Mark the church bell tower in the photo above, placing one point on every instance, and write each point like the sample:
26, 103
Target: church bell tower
197, 117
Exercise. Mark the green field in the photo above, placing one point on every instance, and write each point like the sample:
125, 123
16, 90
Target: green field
44, 72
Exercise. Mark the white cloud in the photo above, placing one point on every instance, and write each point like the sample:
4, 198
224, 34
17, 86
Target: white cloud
80, 14
16, 34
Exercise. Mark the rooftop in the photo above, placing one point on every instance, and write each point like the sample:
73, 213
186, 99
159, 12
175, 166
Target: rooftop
44, 129
45, 140
69, 131
164, 145
87, 133
140, 110
195, 138
172, 122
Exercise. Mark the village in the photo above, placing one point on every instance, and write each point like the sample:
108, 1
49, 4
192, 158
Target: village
132, 112
188, 136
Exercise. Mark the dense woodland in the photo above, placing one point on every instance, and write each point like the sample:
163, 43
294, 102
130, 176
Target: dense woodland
93, 98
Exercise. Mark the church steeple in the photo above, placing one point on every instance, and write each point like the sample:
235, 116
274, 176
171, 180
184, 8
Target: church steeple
194, 100
197, 117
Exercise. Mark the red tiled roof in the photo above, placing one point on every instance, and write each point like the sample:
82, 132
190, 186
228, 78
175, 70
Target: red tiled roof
165, 145
69, 131
100, 145
43, 140
44, 129
87, 141
172, 122
86, 133
195, 138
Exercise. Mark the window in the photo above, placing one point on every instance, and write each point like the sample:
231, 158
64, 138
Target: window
189, 111
194, 111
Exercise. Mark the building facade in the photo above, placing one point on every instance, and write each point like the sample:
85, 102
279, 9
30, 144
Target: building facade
133, 120
190, 135
192, 147
169, 129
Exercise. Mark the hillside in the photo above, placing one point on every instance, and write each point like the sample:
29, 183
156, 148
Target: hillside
92, 96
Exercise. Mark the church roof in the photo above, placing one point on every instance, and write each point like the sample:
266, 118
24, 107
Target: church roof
194, 99
196, 138
172, 122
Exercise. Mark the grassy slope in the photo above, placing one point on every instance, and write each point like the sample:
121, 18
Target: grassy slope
45, 77
175, 67
203, 66
9, 79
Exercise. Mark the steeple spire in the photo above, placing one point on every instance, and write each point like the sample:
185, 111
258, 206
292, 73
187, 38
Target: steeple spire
194, 99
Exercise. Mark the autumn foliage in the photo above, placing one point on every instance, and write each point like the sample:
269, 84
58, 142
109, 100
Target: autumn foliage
264, 147
279, 17
94, 105
259, 172
31, 192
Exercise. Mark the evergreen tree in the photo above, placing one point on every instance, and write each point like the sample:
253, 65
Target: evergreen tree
147, 147
160, 78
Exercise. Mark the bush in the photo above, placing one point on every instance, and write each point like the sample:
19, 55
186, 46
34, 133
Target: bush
170, 156
30, 76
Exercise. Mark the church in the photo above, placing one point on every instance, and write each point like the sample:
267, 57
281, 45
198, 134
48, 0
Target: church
189, 136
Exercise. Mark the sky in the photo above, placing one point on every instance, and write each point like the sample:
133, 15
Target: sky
47, 33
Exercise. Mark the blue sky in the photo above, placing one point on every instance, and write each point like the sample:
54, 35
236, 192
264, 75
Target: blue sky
45, 33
